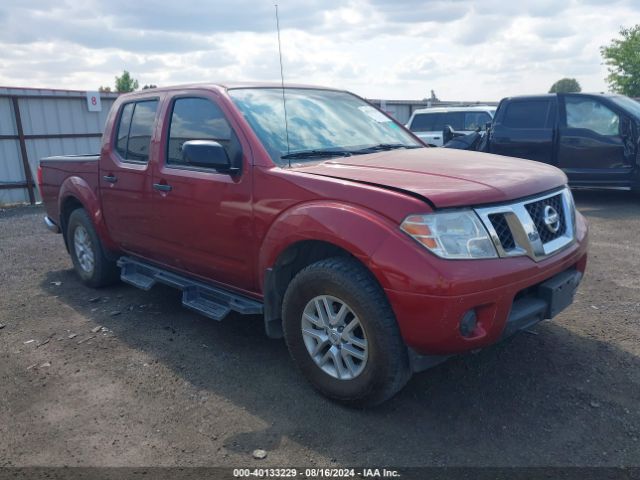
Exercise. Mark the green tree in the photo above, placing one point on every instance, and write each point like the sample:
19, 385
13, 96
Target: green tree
126, 83
147, 87
622, 56
566, 85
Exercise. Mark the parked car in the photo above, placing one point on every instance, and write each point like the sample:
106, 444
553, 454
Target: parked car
593, 138
428, 123
372, 255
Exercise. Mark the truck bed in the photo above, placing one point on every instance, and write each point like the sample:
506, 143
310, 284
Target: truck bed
57, 170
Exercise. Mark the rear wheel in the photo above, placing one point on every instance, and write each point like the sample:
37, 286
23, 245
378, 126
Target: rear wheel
342, 333
89, 260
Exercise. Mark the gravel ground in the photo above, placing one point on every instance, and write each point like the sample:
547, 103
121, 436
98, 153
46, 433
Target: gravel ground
159, 385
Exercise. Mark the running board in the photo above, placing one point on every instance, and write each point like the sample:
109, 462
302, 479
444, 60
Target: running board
210, 301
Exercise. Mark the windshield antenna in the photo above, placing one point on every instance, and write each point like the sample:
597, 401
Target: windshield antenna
284, 102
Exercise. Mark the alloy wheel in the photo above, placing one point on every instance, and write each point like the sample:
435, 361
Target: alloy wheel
334, 337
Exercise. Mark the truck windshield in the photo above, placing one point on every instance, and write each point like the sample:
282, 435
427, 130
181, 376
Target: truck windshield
321, 124
629, 104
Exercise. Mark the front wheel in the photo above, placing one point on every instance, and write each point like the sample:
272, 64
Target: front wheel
342, 333
89, 260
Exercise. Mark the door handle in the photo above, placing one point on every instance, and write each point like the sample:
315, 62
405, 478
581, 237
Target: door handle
163, 187
110, 178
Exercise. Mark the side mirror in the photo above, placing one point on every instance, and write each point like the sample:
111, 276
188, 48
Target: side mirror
206, 154
447, 134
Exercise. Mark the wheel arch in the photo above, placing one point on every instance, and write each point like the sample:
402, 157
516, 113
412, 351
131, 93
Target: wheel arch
75, 192
67, 205
309, 233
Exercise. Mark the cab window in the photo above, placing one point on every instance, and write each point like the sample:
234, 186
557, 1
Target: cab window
592, 115
474, 120
423, 122
527, 114
123, 130
196, 119
454, 119
135, 130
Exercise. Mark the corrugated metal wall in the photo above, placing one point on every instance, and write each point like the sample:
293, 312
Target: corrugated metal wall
62, 124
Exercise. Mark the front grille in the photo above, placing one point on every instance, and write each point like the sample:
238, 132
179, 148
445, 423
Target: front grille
537, 212
505, 236
527, 227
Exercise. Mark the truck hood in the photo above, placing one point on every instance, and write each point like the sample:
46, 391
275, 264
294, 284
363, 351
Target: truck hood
445, 177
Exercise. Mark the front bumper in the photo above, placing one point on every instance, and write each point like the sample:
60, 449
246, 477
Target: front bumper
507, 295
541, 302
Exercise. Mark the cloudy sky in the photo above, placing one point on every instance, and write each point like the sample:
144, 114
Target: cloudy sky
394, 49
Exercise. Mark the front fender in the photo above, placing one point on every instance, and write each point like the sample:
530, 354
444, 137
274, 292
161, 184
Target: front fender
353, 228
79, 189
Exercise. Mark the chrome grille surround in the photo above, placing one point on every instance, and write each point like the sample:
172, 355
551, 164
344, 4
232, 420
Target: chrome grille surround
523, 228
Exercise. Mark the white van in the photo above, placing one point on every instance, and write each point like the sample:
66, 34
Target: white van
428, 123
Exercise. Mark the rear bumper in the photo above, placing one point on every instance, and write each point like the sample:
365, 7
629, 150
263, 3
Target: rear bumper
51, 225
514, 299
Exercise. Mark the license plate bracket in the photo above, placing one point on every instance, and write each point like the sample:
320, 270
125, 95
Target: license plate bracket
558, 291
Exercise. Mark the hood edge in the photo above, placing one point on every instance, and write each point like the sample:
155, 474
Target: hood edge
380, 185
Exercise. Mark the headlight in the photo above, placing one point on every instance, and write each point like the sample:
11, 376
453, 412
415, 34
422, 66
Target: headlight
457, 234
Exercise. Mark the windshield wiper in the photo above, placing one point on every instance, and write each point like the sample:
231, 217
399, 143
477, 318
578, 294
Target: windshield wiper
316, 153
383, 147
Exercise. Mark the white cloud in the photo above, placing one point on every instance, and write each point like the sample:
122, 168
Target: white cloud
462, 49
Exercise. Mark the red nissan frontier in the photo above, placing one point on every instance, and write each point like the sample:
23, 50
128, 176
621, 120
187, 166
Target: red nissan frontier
373, 255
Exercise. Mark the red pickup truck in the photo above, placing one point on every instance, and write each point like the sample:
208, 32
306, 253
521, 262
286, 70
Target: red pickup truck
373, 255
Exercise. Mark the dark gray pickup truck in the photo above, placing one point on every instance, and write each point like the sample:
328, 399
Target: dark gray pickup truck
593, 138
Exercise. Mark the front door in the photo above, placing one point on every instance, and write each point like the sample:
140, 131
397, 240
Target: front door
125, 179
203, 218
591, 149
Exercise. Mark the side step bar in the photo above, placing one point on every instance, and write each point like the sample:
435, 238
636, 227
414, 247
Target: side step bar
210, 301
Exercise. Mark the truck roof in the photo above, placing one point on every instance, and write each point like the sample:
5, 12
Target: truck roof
551, 95
470, 108
230, 86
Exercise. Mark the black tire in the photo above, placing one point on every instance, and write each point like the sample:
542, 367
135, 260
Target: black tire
387, 369
104, 272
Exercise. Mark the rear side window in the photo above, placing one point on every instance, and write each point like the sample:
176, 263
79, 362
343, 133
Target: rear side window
123, 130
135, 130
423, 122
454, 119
435, 122
473, 120
527, 114
195, 119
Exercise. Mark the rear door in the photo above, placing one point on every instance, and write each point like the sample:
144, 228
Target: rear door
591, 149
203, 218
125, 181
525, 128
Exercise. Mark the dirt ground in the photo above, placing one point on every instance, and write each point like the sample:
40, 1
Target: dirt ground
159, 385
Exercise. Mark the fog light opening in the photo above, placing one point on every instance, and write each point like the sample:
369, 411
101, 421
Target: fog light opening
468, 323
